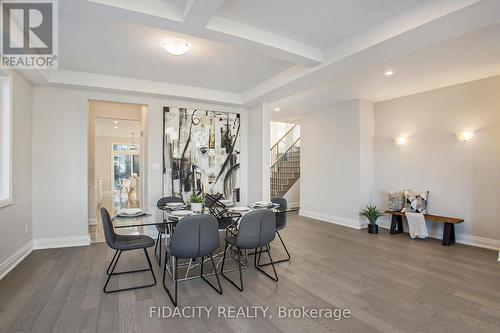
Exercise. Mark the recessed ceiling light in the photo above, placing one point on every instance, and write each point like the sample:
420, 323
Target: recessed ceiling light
115, 121
116, 127
388, 73
176, 46
277, 109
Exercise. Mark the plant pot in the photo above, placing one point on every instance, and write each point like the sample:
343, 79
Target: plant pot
372, 229
197, 207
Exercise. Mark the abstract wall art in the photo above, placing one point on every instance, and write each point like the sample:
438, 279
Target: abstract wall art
201, 153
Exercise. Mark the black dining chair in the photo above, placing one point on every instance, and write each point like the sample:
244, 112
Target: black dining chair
256, 230
161, 228
121, 243
194, 236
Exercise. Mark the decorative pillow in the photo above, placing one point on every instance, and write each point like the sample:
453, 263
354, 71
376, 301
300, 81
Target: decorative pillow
396, 200
415, 202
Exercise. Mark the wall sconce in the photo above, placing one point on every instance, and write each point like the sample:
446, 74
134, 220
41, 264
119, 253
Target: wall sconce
401, 140
464, 136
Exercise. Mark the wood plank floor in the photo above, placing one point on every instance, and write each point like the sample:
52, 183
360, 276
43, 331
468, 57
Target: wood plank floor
389, 282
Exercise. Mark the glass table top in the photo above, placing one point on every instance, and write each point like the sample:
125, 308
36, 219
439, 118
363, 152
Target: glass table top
156, 216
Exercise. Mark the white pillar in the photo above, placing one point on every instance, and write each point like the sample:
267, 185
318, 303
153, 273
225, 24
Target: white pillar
258, 152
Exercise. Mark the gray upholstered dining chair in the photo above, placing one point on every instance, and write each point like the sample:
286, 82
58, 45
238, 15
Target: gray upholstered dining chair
194, 236
121, 243
281, 219
256, 230
161, 228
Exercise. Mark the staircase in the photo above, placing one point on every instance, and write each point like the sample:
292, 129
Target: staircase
285, 162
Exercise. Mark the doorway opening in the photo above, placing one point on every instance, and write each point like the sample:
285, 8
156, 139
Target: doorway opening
116, 160
285, 162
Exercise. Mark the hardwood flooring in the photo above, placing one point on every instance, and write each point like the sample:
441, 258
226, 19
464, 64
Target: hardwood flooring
389, 283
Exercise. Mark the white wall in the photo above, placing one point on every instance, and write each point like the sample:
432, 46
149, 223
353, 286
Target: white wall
60, 158
277, 130
15, 220
335, 150
463, 179
293, 195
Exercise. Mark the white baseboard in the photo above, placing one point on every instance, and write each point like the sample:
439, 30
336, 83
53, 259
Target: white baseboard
331, 219
15, 259
486, 243
293, 204
52, 243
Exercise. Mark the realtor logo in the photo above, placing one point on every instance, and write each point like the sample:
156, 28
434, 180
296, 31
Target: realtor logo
29, 38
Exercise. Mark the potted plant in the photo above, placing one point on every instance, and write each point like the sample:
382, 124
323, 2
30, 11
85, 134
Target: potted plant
196, 203
372, 213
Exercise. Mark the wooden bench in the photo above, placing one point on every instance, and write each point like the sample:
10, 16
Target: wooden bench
448, 230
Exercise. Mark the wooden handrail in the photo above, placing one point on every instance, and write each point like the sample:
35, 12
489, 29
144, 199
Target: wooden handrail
291, 146
283, 136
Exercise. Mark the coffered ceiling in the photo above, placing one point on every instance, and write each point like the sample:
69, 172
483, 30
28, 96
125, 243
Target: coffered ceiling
247, 52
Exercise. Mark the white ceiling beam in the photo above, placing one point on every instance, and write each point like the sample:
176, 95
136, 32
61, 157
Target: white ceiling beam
146, 87
199, 12
231, 32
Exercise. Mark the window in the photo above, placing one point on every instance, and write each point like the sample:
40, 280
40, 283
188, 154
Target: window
5, 142
126, 163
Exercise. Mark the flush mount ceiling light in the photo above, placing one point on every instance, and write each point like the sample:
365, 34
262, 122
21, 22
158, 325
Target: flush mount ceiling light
389, 73
464, 136
401, 140
176, 46
277, 109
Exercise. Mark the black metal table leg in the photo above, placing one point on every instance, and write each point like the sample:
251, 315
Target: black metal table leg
396, 224
448, 234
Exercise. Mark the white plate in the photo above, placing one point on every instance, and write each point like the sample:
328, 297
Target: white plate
175, 204
240, 209
262, 203
130, 211
182, 212
226, 202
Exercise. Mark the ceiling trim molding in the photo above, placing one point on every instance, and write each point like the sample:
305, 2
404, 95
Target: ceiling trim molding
125, 84
266, 42
394, 26
154, 8
199, 12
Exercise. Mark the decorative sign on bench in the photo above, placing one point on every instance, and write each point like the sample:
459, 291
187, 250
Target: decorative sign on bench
448, 230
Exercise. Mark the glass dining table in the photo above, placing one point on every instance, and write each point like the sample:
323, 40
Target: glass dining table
154, 216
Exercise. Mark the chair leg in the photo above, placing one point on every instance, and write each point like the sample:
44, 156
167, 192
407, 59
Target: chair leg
149, 264
240, 287
159, 252
281, 260
112, 261
215, 272
112, 273
257, 265
156, 248
175, 278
